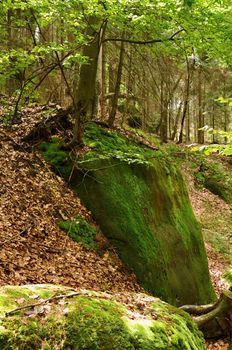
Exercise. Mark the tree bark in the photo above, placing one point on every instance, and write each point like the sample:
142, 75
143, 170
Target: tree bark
117, 87
175, 128
186, 101
164, 113
200, 133
84, 96
214, 320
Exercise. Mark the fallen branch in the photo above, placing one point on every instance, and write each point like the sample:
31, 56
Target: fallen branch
53, 298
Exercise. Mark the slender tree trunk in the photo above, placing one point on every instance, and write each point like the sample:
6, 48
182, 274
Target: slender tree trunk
102, 64
117, 86
11, 84
175, 128
225, 109
186, 101
188, 125
129, 103
164, 112
200, 133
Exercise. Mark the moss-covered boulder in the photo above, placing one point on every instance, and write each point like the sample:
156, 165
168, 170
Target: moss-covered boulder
64, 319
141, 203
212, 174
220, 188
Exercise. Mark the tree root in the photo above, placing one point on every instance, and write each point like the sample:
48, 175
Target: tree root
43, 130
214, 320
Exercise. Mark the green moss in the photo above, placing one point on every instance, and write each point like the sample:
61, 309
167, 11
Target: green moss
142, 206
210, 173
228, 277
59, 158
80, 231
146, 214
219, 187
10, 294
94, 323
107, 144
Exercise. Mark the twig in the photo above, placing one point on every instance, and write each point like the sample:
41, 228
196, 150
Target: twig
55, 297
16, 236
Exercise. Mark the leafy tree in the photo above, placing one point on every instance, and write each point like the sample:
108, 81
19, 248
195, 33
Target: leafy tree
42, 37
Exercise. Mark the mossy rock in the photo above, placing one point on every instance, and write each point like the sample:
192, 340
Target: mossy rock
142, 206
219, 188
211, 174
93, 321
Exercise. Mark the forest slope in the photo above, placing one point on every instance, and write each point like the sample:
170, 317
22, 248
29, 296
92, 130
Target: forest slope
35, 250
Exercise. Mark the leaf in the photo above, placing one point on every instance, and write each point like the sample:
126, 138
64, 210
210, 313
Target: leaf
20, 301
65, 311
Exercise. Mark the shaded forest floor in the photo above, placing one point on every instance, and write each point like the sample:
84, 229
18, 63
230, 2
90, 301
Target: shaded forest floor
34, 250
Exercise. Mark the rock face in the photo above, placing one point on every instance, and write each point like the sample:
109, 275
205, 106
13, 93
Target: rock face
91, 321
146, 214
142, 206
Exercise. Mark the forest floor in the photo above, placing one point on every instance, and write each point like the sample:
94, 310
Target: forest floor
34, 250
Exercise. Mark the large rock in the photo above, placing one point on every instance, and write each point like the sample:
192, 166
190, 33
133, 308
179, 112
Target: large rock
142, 206
146, 214
90, 320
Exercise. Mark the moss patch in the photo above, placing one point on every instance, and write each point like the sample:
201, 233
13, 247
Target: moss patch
141, 204
211, 174
96, 322
80, 231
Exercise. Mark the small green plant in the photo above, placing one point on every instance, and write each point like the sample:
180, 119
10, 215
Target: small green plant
222, 149
107, 144
80, 231
57, 157
228, 277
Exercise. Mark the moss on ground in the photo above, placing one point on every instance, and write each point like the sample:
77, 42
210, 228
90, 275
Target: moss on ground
80, 231
93, 321
141, 203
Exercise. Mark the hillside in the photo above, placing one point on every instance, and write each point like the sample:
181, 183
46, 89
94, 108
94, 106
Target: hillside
34, 249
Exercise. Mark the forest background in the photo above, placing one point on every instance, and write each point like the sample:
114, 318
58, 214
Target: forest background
153, 66
161, 66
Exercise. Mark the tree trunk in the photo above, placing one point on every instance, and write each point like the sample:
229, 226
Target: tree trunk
175, 128
102, 78
84, 97
129, 102
200, 133
164, 113
186, 101
117, 86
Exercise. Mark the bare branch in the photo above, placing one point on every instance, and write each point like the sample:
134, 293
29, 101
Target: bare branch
146, 42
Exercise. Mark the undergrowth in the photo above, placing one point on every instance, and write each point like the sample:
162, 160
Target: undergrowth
208, 171
108, 144
80, 231
102, 144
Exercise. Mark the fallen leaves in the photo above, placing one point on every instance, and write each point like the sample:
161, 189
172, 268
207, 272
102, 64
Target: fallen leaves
32, 247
